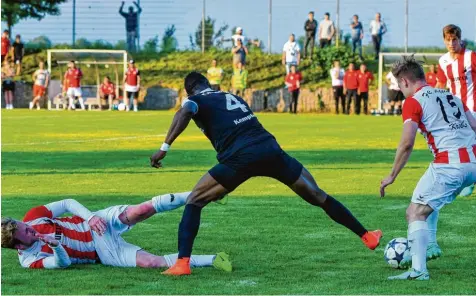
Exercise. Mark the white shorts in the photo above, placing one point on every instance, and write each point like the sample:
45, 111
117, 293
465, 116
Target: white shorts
112, 249
441, 183
131, 88
74, 92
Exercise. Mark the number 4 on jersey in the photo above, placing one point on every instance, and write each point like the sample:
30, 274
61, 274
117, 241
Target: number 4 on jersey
232, 103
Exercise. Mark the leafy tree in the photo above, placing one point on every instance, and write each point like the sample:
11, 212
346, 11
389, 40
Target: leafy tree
151, 45
121, 44
14, 11
211, 38
82, 43
169, 42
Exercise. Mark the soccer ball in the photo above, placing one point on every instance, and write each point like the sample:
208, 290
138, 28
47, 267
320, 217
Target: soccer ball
121, 107
395, 250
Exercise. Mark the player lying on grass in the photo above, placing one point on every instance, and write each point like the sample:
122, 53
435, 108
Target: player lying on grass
245, 150
44, 240
450, 130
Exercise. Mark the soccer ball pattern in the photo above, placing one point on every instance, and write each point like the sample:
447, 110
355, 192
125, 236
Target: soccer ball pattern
395, 250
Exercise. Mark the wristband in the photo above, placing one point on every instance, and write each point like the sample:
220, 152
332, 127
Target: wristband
165, 147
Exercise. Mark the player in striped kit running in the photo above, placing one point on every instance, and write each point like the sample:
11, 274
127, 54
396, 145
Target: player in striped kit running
46, 240
450, 131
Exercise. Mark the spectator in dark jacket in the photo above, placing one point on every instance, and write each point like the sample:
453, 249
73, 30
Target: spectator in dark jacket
131, 25
18, 53
310, 27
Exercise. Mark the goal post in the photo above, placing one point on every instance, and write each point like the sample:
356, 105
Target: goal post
94, 63
385, 62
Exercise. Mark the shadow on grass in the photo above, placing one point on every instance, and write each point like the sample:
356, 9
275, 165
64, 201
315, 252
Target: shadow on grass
132, 161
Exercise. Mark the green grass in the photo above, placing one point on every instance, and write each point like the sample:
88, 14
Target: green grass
278, 243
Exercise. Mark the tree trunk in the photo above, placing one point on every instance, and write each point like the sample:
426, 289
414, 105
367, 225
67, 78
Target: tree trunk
10, 25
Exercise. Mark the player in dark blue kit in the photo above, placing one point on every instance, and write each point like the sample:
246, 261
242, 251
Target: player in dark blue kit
245, 149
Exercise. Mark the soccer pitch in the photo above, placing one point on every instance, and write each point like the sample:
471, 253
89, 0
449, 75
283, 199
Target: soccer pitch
278, 243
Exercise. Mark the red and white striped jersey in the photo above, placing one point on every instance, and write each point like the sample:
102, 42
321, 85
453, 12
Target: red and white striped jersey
442, 120
460, 76
73, 233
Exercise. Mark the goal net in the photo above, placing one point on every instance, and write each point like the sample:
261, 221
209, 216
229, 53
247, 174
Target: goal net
95, 65
386, 60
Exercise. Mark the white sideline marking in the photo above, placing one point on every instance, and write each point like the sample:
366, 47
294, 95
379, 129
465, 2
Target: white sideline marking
82, 141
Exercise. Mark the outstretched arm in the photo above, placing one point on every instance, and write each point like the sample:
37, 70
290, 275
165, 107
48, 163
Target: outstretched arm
121, 12
72, 206
179, 124
139, 9
404, 151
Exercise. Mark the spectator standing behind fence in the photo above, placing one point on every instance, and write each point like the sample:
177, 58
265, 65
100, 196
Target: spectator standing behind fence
239, 79
239, 53
131, 25
239, 36
8, 85
293, 82
351, 84
357, 35
5, 45
337, 75
18, 53
310, 28
395, 95
131, 86
431, 76
107, 92
363, 95
41, 79
215, 75
377, 29
291, 53
326, 31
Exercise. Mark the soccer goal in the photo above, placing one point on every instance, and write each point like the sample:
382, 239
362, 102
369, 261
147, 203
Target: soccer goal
95, 65
385, 63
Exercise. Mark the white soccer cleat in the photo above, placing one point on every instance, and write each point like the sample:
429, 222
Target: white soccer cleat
411, 274
31, 105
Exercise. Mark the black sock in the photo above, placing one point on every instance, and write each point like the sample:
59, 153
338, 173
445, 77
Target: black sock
340, 214
188, 229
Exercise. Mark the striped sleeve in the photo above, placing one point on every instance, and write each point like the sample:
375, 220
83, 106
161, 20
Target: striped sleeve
37, 212
412, 110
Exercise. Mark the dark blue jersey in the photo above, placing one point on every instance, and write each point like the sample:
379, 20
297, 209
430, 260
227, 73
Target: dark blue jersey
227, 121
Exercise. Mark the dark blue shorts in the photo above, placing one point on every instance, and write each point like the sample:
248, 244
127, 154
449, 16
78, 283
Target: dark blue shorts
265, 159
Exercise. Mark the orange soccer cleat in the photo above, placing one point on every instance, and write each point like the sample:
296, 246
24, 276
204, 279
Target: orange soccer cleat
372, 238
181, 267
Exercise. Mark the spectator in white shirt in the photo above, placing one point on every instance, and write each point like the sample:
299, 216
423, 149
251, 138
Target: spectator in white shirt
337, 75
291, 53
244, 40
326, 31
377, 29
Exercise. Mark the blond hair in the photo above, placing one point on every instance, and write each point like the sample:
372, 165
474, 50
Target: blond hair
9, 226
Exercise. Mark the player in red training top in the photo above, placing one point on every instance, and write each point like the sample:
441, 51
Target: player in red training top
450, 131
107, 91
72, 85
44, 240
293, 82
351, 86
363, 95
131, 85
430, 76
5, 45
